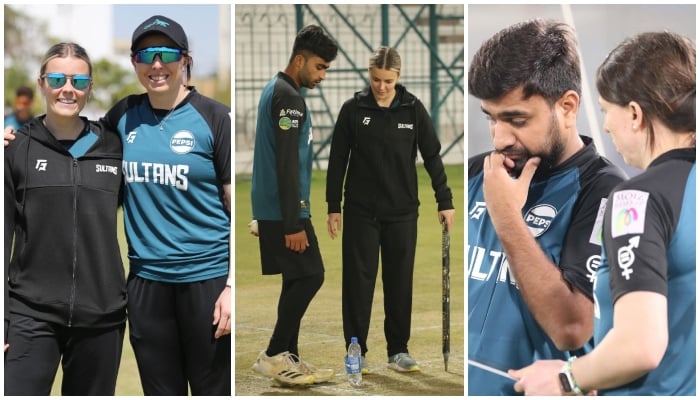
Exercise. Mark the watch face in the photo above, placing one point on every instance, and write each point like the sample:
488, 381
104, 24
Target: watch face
564, 382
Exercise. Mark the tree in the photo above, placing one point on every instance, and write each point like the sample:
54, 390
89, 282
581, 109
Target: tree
23, 37
111, 83
26, 40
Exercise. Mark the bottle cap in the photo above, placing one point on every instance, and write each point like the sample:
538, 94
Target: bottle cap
353, 340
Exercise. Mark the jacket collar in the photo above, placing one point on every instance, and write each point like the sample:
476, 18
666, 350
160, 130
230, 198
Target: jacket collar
403, 98
38, 131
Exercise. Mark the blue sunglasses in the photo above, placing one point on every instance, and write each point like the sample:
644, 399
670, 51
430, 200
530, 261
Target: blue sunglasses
57, 80
166, 54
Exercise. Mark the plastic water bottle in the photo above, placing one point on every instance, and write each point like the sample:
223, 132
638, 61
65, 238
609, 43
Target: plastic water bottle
352, 363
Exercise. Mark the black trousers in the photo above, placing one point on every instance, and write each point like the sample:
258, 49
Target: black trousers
363, 240
89, 356
171, 332
295, 297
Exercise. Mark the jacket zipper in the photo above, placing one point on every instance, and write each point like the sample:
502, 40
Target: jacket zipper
75, 241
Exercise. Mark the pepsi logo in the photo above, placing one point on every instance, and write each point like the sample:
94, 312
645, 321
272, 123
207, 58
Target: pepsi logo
182, 142
539, 218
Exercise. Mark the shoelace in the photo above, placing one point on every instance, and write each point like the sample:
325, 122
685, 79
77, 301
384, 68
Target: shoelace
306, 367
295, 362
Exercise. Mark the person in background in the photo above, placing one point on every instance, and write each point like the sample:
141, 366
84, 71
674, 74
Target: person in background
535, 206
65, 289
280, 197
645, 286
177, 215
375, 141
22, 111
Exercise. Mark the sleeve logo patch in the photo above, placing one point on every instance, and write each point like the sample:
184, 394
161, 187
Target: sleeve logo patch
285, 123
291, 112
597, 233
626, 257
628, 212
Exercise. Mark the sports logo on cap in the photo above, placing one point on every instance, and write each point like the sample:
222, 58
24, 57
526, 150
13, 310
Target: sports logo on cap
156, 22
163, 25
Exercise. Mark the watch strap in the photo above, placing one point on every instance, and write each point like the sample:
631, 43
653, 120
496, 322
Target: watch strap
566, 378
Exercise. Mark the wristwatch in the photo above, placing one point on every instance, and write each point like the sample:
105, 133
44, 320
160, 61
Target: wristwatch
566, 378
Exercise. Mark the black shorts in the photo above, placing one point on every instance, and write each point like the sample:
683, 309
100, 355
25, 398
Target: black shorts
278, 259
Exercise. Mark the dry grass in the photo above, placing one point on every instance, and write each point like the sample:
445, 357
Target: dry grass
321, 341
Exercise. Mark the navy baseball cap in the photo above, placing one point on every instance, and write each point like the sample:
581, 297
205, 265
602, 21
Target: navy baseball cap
164, 25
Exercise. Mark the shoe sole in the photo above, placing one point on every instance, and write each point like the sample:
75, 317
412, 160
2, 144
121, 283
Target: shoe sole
397, 368
286, 377
280, 384
322, 380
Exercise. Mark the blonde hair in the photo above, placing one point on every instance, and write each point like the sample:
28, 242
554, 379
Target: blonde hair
64, 50
386, 58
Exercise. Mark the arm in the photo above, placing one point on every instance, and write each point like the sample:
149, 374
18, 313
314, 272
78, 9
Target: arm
337, 166
568, 321
287, 170
429, 146
9, 232
9, 135
222, 307
639, 334
222, 165
633, 347
637, 340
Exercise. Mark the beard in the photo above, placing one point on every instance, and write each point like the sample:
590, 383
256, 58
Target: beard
307, 79
549, 156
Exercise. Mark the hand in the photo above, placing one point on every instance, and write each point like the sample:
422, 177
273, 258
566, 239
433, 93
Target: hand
335, 224
297, 242
539, 378
448, 216
505, 196
7, 346
253, 226
222, 313
9, 135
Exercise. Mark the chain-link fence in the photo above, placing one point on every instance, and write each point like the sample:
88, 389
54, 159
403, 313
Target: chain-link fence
430, 39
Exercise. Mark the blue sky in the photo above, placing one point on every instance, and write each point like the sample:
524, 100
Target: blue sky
200, 22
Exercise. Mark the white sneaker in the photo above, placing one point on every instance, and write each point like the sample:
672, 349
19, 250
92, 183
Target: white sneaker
284, 367
320, 374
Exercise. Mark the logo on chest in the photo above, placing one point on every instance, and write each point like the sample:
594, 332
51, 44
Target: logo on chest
539, 218
41, 165
182, 142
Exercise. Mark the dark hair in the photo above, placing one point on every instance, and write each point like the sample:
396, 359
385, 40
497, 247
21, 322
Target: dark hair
656, 70
539, 55
25, 91
312, 40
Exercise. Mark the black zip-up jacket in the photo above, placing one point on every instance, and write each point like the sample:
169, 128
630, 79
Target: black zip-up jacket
66, 266
377, 147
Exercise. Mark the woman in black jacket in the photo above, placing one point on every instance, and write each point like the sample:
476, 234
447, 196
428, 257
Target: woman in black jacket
65, 290
374, 147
